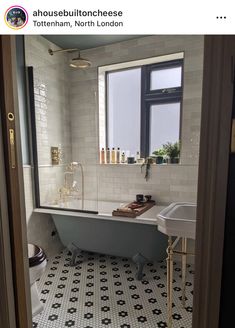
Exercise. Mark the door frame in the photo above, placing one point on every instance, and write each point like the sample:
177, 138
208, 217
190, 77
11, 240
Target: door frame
217, 105
13, 211
7, 303
212, 182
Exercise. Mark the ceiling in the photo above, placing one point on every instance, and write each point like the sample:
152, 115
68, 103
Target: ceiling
88, 41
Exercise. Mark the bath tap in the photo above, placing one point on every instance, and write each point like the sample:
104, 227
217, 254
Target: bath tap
70, 188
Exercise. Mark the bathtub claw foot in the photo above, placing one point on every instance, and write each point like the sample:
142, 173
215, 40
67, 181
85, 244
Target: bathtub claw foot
140, 260
75, 251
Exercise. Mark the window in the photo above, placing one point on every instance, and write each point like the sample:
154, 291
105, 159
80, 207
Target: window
123, 109
143, 105
164, 124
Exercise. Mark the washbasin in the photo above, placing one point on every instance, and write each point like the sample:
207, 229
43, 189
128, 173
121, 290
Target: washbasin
178, 219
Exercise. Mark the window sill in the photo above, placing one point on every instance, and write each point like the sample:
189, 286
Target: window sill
138, 164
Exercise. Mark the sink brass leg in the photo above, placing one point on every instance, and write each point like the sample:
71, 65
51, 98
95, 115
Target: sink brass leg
184, 263
169, 281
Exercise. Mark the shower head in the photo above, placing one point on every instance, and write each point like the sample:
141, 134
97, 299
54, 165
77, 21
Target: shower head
79, 62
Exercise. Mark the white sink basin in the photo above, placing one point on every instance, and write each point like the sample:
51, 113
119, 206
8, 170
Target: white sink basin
178, 219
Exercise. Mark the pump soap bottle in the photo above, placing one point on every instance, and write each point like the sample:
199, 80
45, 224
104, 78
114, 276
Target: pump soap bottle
118, 156
108, 156
113, 156
123, 159
102, 156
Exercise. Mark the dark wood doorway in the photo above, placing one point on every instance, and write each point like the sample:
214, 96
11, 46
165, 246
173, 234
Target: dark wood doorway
227, 288
15, 252
213, 178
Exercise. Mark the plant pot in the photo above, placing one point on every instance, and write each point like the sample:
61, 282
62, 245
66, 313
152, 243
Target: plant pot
174, 160
159, 159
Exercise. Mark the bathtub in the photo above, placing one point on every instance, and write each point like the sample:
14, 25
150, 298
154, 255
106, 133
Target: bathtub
107, 234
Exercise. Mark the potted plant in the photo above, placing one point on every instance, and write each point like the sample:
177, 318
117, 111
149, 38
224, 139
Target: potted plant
172, 150
159, 155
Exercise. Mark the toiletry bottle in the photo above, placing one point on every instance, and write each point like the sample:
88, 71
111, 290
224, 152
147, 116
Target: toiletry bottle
118, 156
108, 156
137, 156
113, 156
102, 156
123, 157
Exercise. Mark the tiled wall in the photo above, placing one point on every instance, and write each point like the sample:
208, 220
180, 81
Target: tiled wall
53, 129
167, 183
67, 114
51, 180
51, 94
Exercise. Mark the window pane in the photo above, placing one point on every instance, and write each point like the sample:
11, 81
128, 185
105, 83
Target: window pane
124, 90
165, 78
164, 124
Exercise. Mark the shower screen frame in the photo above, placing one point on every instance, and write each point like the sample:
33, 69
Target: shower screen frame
34, 147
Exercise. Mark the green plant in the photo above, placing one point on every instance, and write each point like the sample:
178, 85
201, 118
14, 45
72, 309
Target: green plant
147, 165
159, 152
172, 150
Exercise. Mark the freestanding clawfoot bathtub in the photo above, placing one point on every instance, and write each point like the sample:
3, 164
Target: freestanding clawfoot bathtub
136, 238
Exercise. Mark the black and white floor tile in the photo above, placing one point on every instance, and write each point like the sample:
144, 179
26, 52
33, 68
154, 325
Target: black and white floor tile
101, 291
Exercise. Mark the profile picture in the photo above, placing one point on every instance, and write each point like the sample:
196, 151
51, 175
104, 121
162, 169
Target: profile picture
16, 17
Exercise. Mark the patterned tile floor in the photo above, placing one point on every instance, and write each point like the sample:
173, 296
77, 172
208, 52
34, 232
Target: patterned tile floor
101, 291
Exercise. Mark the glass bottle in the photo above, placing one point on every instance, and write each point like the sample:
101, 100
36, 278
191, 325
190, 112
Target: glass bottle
123, 157
118, 156
102, 156
108, 156
137, 156
113, 156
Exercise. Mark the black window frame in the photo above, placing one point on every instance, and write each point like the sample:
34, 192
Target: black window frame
155, 97
151, 97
